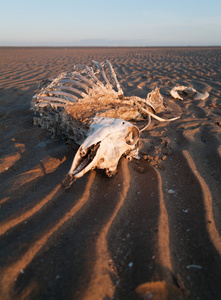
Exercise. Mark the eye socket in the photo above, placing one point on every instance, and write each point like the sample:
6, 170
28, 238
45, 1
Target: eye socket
132, 135
123, 123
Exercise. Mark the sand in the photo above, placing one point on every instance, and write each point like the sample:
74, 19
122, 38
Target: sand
150, 232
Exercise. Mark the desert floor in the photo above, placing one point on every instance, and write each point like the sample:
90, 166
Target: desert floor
150, 232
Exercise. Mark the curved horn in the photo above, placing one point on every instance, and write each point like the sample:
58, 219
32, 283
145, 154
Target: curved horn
132, 136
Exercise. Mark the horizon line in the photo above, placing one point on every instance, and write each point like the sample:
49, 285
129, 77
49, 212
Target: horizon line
104, 46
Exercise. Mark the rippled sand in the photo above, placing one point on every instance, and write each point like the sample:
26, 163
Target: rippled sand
150, 232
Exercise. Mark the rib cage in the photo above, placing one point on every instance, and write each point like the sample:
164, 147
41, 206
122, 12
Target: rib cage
83, 82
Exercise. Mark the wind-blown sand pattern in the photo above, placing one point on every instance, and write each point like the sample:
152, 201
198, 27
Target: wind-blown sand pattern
150, 232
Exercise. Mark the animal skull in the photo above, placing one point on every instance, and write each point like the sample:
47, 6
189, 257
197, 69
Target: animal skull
108, 139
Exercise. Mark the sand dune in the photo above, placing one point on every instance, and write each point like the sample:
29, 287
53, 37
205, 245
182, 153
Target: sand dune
150, 232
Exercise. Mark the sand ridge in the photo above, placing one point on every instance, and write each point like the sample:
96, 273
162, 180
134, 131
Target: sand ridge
150, 232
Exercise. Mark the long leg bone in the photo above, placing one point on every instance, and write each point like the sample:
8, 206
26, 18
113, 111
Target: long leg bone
155, 116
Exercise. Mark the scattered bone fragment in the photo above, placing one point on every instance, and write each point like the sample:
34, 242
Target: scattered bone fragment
191, 92
155, 100
88, 106
201, 96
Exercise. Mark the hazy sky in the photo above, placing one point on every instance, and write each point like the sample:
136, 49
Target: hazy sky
112, 22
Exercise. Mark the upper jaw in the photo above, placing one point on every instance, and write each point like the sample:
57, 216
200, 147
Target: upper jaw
108, 140
84, 161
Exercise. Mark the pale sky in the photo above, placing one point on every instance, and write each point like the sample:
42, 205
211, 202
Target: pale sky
110, 23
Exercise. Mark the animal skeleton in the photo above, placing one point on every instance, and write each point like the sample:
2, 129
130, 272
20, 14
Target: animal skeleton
89, 106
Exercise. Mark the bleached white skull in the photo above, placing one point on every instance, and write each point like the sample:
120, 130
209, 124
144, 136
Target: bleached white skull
108, 139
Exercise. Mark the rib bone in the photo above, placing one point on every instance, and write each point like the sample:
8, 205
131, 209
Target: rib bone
99, 66
113, 74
